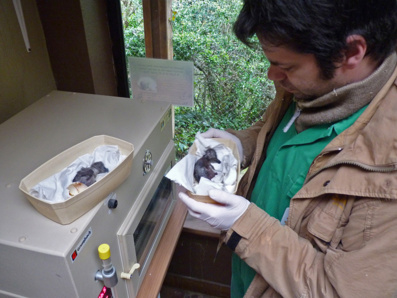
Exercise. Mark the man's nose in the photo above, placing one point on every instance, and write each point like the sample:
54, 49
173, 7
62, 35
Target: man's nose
274, 73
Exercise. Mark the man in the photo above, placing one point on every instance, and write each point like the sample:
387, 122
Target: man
321, 214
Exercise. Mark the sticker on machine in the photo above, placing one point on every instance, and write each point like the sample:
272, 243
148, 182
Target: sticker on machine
80, 245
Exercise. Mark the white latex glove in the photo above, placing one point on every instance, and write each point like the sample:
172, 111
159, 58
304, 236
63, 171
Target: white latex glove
218, 216
217, 133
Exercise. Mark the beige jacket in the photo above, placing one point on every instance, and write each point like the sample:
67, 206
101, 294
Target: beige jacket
341, 233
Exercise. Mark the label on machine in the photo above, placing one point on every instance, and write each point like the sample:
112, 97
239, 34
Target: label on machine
80, 245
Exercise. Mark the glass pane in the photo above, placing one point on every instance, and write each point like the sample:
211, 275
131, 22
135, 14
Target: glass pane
151, 221
134, 33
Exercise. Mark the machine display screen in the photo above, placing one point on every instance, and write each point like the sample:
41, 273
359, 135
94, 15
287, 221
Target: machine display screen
105, 293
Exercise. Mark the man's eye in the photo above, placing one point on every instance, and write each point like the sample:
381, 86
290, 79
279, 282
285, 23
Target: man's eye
287, 68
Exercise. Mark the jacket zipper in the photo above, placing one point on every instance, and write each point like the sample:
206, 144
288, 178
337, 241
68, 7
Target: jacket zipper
380, 169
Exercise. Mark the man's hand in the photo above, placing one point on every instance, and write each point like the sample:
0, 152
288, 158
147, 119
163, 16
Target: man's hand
220, 216
216, 133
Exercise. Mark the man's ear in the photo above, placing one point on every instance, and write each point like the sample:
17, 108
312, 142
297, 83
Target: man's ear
356, 50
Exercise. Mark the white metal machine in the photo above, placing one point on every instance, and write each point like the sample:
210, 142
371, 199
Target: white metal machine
41, 258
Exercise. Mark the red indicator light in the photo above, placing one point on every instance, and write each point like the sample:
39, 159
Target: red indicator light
74, 255
105, 293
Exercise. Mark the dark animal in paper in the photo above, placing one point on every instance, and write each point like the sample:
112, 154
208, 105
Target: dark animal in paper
88, 175
203, 166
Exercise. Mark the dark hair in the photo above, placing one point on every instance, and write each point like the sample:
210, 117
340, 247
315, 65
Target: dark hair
320, 27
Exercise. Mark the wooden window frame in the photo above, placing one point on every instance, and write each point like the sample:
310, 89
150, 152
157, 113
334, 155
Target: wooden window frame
158, 36
157, 27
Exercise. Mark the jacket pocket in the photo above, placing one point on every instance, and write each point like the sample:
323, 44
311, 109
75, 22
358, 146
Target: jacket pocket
358, 231
327, 221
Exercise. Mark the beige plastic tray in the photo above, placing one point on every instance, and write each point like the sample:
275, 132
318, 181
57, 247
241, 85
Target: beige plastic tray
230, 144
71, 209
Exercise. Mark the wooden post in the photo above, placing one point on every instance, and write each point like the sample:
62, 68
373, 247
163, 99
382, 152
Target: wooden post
158, 31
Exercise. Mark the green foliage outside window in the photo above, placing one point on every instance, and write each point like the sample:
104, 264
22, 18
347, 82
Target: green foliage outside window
231, 86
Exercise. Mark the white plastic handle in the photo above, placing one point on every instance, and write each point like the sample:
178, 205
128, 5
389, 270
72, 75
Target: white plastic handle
129, 274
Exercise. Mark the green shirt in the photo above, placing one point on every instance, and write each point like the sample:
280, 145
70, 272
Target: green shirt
288, 158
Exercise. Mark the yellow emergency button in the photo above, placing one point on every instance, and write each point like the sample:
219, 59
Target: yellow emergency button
104, 251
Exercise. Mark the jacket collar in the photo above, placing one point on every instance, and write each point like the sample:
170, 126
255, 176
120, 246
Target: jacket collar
358, 150
345, 101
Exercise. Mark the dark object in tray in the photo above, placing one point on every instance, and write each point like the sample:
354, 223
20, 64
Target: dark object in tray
88, 175
203, 166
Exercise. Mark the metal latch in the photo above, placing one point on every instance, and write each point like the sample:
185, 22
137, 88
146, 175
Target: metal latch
147, 162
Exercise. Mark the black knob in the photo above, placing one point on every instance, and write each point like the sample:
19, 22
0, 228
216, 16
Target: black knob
112, 203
